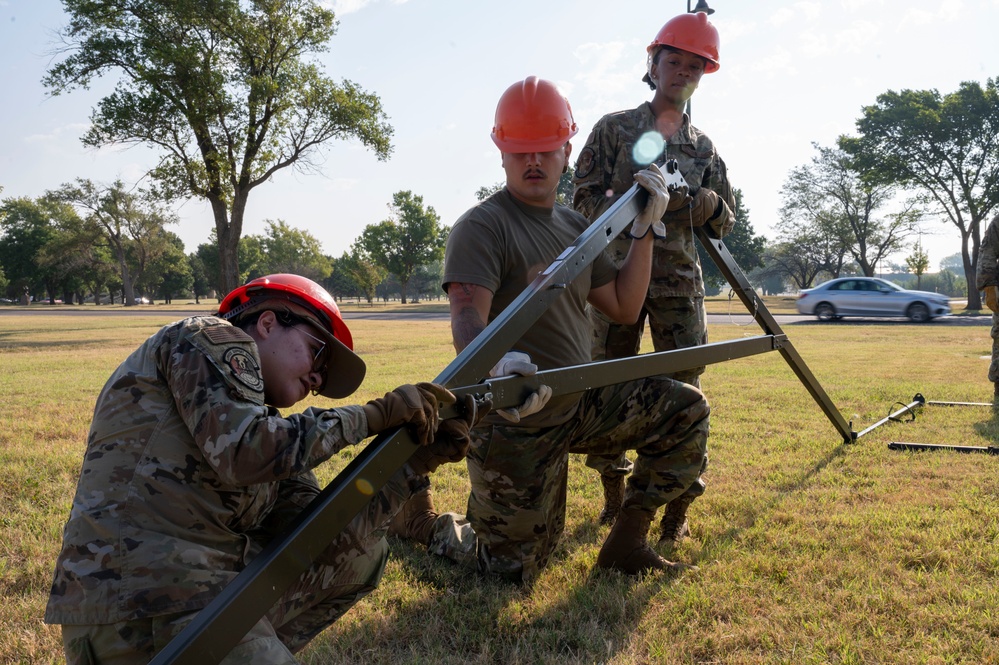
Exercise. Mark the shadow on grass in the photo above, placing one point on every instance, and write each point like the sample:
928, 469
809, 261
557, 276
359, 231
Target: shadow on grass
574, 613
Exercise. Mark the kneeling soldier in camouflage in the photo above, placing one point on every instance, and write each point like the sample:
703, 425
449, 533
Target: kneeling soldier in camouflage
190, 469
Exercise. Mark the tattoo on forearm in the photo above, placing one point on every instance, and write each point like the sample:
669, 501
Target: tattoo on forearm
466, 326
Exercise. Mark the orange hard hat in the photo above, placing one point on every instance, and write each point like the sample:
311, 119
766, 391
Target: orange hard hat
533, 116
302, 297
693, 33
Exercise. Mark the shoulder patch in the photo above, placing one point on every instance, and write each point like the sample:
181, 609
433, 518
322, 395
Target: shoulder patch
226, 335
243, 368
584, 165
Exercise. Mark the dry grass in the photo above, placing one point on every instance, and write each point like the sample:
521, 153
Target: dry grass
810, 550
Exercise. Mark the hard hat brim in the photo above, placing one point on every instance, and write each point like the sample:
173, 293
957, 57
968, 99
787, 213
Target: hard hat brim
344, 371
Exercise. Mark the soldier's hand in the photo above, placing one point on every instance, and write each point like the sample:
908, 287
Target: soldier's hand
534, 403
707, 205
415, 406
452, 440
514, 362
992, 298
660, 197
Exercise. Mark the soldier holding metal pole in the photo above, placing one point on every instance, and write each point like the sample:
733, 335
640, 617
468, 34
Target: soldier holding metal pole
190, 470
620, 145
518, 459
988, 281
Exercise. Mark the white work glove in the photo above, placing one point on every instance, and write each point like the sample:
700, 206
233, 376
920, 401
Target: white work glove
992, 298
515, 362
660, 197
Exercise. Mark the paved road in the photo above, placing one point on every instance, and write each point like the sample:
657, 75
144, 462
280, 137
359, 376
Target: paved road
741, 318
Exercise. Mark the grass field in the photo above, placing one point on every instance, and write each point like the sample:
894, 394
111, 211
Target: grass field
809, 550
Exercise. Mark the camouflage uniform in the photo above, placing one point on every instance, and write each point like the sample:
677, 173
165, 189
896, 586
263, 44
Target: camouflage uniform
619, 146
186, 475
518, 473
988, 275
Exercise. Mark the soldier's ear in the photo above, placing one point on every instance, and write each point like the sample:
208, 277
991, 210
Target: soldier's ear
266, 324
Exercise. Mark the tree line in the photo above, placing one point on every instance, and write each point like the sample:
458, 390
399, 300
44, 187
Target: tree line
88, 243
231, 93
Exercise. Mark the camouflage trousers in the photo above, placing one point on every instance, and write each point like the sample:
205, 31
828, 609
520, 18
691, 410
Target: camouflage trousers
349, 569
674, 323
994, 365
516, 508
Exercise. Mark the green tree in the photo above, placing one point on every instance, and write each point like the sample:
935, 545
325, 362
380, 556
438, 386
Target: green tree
169, 274
131, 223
945, 148
745, 246
918, 262
27, 226
226, 90
832, 193
288, 249
364, 273
199, 277
74, 253
954, 263
251, 259
801, 253
410, 238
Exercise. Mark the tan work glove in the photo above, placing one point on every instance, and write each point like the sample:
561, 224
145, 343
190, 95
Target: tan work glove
992, 298
414, 406
705, 207
660, 198
515, 362
452, 440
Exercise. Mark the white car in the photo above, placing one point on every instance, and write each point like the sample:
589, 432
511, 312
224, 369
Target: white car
870, 296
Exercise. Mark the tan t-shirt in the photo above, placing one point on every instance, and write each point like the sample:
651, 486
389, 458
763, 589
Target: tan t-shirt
502, 244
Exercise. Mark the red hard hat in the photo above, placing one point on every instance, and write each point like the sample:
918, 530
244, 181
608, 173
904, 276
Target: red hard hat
533, 116
692, 33
304, 298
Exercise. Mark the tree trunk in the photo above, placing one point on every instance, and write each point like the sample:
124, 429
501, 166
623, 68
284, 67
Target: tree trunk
228, 232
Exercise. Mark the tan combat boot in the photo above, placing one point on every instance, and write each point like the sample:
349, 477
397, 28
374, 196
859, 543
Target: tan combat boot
415, 521
626, 548
613, 496
674, 523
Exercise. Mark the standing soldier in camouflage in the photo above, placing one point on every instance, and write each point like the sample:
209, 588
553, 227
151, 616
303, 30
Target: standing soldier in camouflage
518, 459
988, 281
620, 145
190, 469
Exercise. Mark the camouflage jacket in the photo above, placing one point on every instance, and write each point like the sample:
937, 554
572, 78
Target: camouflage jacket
616, 149
988, 257
185, 468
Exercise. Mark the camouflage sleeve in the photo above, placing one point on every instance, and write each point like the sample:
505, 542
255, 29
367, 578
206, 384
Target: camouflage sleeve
988, 257
590, 184
244, 441
293, 496
718, 182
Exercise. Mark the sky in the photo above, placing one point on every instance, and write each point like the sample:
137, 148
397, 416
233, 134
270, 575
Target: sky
792, 74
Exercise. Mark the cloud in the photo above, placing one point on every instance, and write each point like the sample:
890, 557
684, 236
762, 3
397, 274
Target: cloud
343, 7
73, 130
808, 11
609, 73
341, 184
779, 62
